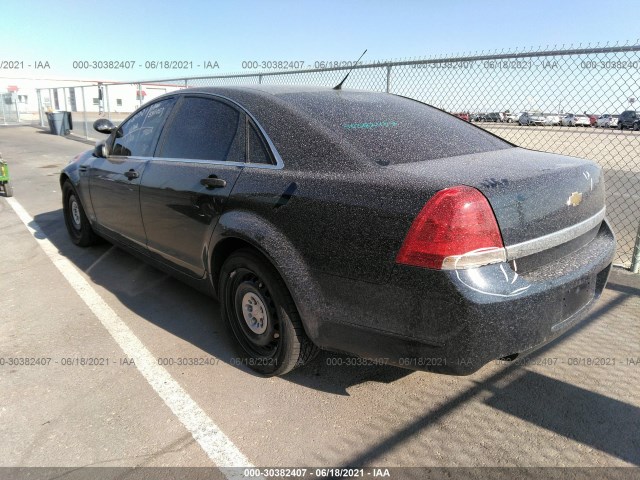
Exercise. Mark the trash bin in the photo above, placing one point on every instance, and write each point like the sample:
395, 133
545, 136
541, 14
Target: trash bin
60, 123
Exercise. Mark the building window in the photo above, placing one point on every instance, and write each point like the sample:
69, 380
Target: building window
119, 102
72, 99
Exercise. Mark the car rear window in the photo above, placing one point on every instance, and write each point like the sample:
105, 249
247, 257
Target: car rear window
391, 130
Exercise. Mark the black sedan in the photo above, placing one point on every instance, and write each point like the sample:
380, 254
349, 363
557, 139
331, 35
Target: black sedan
350, 221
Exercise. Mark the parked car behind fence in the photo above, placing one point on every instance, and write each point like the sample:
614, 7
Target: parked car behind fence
551, 119
629, 119
495, 117
606, 120
531, 118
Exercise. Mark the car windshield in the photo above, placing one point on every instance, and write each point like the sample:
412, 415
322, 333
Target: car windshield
391, 129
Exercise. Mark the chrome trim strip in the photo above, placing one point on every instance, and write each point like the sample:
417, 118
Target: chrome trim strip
216, 162
554, 239
488, 256
477, 258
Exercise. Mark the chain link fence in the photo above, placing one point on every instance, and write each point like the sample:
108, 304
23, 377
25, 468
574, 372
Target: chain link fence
560, 101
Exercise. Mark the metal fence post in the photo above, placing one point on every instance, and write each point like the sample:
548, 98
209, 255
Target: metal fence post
4, 117
388, 78
84, 115
259, 78
106, 94
39, 95
635, 259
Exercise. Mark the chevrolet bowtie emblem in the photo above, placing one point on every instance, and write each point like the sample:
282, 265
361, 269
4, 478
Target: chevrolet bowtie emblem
575, 199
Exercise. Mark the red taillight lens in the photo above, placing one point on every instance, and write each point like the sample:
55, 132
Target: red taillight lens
455, 229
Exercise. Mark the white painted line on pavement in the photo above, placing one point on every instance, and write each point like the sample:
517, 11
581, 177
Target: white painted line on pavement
213, 441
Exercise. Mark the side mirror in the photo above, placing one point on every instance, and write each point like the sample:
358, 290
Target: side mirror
100, 150
103, 125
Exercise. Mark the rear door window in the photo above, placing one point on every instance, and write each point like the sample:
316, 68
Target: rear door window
205, 129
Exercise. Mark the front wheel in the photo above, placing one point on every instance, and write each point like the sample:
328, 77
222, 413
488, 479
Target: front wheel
75, 219
260, 312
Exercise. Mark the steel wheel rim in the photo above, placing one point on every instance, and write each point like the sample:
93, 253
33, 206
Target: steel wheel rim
76, 219
254, 312
264, 339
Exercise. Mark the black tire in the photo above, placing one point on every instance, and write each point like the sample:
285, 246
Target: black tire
275, 343
8, 189
75, 219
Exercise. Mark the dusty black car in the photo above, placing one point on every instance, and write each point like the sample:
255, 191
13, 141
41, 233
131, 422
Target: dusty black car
629, 119
350, 221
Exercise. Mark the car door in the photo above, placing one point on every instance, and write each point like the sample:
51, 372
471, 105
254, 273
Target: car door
114, 181
185, 187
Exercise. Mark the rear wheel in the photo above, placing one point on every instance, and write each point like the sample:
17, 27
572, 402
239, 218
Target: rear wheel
75, 219
260, 312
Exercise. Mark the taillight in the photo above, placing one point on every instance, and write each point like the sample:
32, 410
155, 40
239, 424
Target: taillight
455, 229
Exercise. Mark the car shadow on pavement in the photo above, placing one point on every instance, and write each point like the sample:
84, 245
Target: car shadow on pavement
593, 419
590, 418
193, 316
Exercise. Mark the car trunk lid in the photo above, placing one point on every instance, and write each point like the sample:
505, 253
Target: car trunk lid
532, 194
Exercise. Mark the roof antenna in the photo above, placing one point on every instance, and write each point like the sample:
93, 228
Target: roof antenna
339, 86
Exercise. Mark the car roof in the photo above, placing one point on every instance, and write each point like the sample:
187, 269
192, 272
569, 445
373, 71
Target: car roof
268, 92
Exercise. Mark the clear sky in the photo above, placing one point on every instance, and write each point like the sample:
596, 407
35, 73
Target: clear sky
230, 32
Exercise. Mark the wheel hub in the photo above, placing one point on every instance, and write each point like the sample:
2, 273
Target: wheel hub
75, 213
254, 313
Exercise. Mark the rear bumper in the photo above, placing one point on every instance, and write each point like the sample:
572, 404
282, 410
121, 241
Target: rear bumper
454, 322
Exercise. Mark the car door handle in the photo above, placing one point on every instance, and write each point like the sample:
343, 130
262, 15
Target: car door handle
131, 174
213, 182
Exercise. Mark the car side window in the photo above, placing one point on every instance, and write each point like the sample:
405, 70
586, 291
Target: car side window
205, 129
257, 151
137, 136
